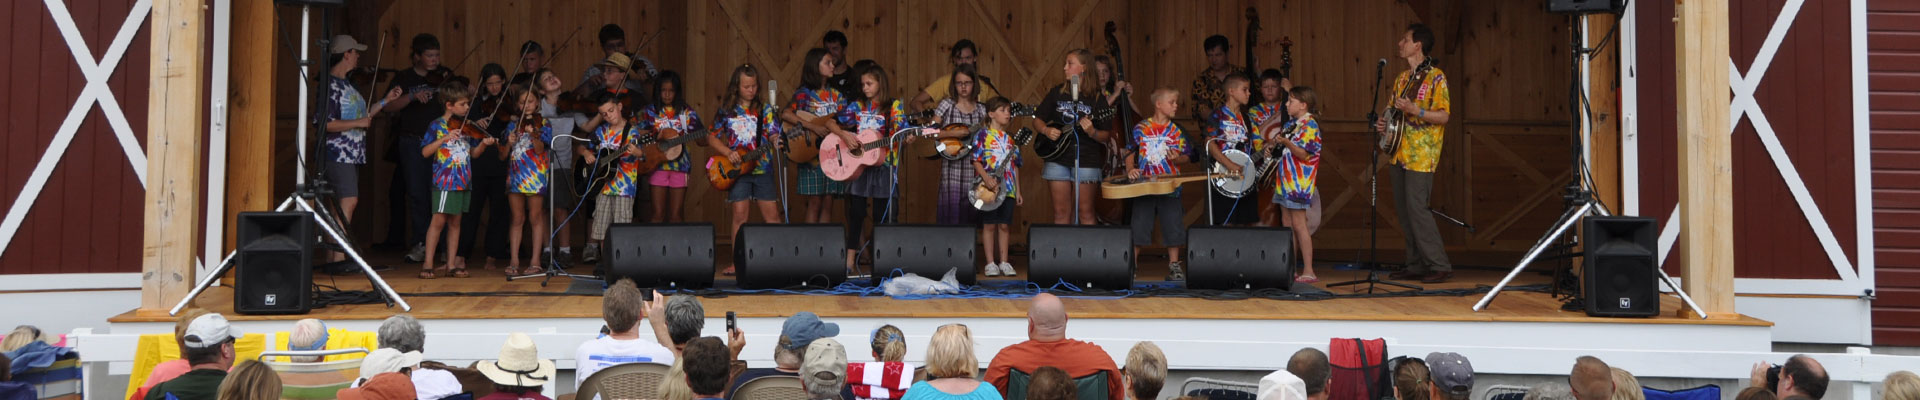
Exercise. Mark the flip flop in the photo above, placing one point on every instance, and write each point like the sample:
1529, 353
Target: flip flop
1307, 279
512, 270
427, 273
532, 270
460, 272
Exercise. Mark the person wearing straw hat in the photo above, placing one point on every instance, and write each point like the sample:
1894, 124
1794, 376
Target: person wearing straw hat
519, 373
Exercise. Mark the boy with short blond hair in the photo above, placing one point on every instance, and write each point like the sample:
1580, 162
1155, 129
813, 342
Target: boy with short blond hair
451, 151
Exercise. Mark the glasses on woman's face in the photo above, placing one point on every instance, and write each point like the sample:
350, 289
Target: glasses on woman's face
964, 82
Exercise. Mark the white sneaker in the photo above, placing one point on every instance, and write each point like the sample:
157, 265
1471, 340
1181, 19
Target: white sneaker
993, 270
1006, 268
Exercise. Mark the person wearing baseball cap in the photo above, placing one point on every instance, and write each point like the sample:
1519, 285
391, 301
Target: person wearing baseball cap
1451, 376
208, 347
824, 371
347, 117
799, 331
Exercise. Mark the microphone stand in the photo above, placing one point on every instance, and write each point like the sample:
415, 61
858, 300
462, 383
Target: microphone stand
1373, 197
1074, 175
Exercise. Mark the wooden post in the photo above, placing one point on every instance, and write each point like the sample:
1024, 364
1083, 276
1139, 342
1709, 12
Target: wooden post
1603, 78
250, 145
174, 134
1706, 154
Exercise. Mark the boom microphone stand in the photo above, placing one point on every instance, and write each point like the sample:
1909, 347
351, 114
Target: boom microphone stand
1372, 265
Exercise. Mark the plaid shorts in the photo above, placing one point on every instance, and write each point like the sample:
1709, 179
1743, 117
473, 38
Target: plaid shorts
814, 182
620, 208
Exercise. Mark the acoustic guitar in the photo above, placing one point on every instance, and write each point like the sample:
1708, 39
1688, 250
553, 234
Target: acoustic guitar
1052, 149
1120, 187
842, 161
803, 145
988, 197
722, 173
664, 146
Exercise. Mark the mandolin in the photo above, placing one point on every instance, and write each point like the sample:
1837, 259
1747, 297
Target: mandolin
955, 141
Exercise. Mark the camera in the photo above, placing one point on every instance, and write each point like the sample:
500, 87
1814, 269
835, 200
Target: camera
1773, 378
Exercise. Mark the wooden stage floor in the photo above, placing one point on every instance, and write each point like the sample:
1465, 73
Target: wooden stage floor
1510, 306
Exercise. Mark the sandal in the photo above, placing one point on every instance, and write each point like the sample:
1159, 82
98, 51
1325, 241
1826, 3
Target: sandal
1307, 279
512, 270
533, 270
728, 271
427, 273
460, 272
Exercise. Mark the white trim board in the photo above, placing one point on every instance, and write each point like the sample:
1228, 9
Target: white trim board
37, 282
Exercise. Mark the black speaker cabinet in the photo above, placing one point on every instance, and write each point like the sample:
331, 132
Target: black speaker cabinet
925, 250
667, 256
1221, 258
1090, 257
1586, 6
775, 256
1620, 278
273, 266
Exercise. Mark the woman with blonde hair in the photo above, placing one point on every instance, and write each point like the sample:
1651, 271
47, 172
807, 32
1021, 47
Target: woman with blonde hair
1902, 385
1625, 387
250, 380
952, 371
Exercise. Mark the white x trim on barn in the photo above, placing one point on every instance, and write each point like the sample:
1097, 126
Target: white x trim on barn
1851, 283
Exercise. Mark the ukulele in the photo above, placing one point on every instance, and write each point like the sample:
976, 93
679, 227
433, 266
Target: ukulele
987, 197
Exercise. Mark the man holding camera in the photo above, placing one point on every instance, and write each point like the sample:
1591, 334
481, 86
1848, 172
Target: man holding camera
1800, 378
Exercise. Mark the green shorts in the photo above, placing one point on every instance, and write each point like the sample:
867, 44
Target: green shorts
450, 202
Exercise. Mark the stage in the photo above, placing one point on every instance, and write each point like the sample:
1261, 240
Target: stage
1522, 332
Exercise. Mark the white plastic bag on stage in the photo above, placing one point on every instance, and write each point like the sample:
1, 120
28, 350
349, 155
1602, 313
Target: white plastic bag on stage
912, 284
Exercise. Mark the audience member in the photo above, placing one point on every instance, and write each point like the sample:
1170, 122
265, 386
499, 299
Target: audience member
706, 365
684, 320
824, 371
22, 335
10, 390
307, 335
951, 369
622, 309
1282, 385
1550, 391
1452, 376
6, 368
1047, 344
1800, 377
1591, 379
519, 373
386, 386
796, 334
167, 370
889, 376
209, 350
402, 332
250, 380
1626, 388
1145, 372
1051, 383
387, 360
1310, 365
1410, 377
1901, 385
1760, 393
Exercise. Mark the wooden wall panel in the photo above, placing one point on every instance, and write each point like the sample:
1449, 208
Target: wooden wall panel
1507, 64
1891, 27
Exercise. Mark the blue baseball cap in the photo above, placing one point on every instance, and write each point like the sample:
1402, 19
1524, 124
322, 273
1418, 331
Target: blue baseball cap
804, 327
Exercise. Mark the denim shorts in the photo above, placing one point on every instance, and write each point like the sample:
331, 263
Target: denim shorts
1283, 201
753, 187
1058, 172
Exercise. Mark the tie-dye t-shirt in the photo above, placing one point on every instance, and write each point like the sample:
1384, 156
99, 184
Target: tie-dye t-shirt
452, 165
625, 181
345, 103
657, 118
870, 115
1155, 139
823, 102
1258, 114
1232, 129
1420, 142
1298, 174
745, 131
527, 169
995, 150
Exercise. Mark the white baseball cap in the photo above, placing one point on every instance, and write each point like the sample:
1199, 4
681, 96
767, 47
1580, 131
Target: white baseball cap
209, 331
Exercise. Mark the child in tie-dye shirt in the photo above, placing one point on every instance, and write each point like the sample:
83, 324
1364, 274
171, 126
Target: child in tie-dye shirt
615, 138
745, 124
452, 152
873, 192
818, 99
670, 111
1295, 188
1161, 146
1233, 130
527, 175
996, 160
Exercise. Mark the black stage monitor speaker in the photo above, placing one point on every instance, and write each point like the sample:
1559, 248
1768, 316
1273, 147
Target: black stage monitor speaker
1221, 258
667, 256
1620, 279
925, 250
1090, 257
774, 256
1586, 6
273, 267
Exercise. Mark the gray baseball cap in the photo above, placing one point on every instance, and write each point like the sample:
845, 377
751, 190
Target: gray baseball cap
1452, 373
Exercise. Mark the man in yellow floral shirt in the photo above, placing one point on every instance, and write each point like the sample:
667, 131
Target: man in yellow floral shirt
1425, 110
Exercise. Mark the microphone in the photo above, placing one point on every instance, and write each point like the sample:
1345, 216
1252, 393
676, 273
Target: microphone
773, 91
1383, 62
1075, 83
